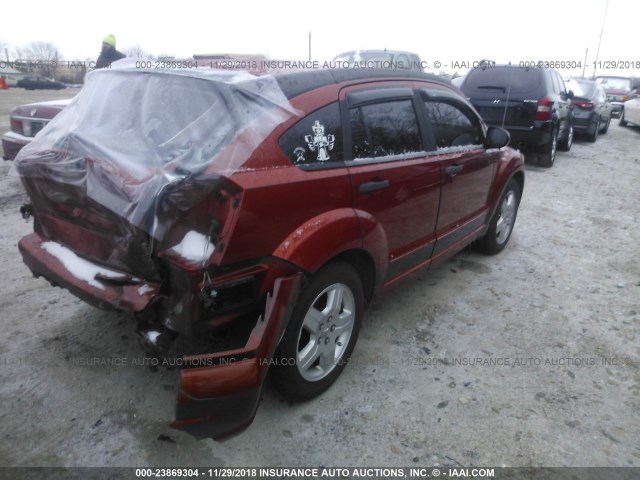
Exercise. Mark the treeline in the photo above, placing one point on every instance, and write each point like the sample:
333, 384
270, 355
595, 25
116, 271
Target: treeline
44, 58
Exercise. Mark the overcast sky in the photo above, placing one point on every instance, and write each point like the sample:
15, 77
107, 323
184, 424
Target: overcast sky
444, 31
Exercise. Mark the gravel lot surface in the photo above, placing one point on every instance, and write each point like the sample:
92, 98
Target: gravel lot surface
527, 358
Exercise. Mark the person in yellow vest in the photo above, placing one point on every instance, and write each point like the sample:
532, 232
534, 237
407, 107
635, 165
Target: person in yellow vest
108, 54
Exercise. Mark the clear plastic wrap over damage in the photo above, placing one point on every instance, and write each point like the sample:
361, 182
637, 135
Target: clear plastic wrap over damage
143, 143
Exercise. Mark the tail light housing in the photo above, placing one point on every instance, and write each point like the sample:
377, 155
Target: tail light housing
543, 111
16, 126
194, 249
584, 105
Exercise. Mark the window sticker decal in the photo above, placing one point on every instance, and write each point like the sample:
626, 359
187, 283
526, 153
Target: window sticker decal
300, 152
320, 142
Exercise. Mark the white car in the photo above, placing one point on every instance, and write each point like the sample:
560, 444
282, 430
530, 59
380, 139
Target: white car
631, 111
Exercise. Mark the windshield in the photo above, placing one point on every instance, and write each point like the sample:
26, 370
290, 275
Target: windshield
616, 83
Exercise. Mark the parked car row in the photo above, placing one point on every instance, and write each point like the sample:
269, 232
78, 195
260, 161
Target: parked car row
533, 104
592, 111
542, 111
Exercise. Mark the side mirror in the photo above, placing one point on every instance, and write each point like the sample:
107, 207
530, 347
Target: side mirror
497, 137
570, 94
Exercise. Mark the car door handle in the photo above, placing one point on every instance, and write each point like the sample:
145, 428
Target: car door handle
373, 186
453, 170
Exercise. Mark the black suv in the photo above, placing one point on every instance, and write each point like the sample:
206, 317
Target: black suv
532, 103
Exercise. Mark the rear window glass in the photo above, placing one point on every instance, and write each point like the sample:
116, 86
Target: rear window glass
503, 79
615, 83
581, 89
317, 138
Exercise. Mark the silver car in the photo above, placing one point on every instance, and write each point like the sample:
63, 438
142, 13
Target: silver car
631, 111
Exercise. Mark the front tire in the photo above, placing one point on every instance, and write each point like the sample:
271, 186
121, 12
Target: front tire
502, 222
322, 333
623, 122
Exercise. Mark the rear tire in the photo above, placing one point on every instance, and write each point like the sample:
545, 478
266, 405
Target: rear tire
594, 136
567, 142
322, 333
547, 157
606, 127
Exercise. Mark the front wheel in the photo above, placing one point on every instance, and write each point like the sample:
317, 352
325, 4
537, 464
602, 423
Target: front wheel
322, 333
502, 222
623, 122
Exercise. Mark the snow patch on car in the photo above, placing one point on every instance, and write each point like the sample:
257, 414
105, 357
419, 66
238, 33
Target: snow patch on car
151, 336
145, 289
194, 247
62, 102
79, 267
459, 148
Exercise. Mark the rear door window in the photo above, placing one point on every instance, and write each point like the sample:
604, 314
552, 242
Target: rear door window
384, 129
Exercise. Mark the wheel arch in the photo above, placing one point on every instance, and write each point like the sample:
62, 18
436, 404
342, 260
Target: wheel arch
519, 177
327, 238
363, 264
511, 168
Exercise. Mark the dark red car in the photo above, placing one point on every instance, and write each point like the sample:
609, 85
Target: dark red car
26, 121
268, 209
617, 90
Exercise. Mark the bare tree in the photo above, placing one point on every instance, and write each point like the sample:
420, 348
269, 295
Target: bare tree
136, 52
4, 51
42, 56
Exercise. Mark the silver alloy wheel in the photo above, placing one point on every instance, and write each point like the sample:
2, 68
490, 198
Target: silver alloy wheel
505, 222
570, 137
326, 331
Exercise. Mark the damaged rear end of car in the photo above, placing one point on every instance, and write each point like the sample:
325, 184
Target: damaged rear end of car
133, 199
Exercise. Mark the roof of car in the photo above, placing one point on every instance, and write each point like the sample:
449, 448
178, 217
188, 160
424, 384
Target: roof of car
368, 50
292, 81
579, 80
613, 76
297, 83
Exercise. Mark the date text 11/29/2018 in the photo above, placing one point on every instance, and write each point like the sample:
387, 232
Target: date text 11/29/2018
569, 64
315, 472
